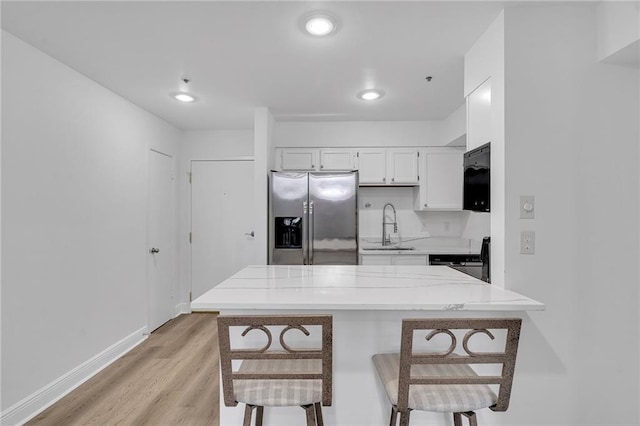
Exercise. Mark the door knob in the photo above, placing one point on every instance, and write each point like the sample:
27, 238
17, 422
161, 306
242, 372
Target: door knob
253, 234
154, 250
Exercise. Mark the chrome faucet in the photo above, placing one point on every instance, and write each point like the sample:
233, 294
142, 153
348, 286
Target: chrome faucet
386, 239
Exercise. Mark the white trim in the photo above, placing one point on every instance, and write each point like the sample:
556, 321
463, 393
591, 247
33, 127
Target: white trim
32, 405
242, 158
183, 308
161, 153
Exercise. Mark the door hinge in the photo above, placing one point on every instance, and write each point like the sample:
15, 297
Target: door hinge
190, 237
190, 297
190, 176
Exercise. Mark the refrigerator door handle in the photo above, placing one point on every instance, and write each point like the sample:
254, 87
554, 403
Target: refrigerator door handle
311, 232
305, 233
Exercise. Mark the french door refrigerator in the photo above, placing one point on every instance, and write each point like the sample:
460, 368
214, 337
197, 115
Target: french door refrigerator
313, 218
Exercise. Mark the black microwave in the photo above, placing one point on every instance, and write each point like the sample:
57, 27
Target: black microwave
476, 190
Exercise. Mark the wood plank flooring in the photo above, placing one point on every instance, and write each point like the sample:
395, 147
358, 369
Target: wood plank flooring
169, 379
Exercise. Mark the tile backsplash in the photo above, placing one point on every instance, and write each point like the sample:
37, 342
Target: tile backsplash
411, 223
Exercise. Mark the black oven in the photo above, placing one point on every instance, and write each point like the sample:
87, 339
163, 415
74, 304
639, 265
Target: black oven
476, 194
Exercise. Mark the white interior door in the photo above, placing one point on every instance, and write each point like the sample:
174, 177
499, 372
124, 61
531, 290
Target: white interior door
160, 217
222, 221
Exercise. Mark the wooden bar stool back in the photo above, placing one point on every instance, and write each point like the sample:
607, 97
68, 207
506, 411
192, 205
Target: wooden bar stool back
277, 377
444, 381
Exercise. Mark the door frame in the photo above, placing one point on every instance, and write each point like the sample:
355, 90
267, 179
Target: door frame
188, 255
173, 248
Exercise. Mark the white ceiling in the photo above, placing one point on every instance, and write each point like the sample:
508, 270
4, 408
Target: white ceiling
241, 55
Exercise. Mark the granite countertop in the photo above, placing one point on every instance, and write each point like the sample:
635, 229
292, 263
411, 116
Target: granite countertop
359, 287
421, 246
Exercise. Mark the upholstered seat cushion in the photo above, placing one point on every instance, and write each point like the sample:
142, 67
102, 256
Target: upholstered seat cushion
279, 392
436, 398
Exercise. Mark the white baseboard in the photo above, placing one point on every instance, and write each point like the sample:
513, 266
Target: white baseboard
183, 308
29, 407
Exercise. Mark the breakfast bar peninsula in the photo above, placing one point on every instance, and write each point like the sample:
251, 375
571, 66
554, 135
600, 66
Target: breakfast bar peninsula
368, 304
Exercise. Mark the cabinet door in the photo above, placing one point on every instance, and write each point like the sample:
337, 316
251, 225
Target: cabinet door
298, 159
375, 259
441, 185
402, 166
410, 259
337, 159
479, 116
372, 166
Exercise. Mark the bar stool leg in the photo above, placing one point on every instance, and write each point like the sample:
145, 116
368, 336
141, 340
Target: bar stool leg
472, 418
394, 416
259, 415
404, 418
457, 419
248, 410
311, 415
319, 421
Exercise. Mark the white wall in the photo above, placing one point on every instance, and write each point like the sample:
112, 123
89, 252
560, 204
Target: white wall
358, 133
411, 224
264, 149
73, 220
572, 141
453, 129
203, 145
618, 27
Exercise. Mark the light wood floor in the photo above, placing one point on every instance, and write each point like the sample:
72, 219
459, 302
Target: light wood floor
169, 379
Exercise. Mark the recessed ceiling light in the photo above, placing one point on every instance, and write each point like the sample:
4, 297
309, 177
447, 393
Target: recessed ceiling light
370, 94
183, 97
320, 24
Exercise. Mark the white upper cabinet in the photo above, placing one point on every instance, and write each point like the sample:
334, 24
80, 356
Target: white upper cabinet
376, 166
441, 171
338, 159
372, 166
297, 159
316, 159
402, 166
479, 116
388, 166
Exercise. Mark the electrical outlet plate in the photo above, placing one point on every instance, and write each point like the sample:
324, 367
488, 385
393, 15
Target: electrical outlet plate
526, 206
527, 242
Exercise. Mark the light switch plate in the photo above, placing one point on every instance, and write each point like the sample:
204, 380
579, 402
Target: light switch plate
526, 206
527, 242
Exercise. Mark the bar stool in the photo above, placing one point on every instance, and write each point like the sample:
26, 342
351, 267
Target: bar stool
278, 377
444, 382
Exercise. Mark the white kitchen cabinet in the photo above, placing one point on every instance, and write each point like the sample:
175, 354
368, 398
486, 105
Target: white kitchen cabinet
393, 259
316, 159
441, 184
479, 116
402, 166
388, 166
410, 259
297, 159
338, 159
375, 259
372, 166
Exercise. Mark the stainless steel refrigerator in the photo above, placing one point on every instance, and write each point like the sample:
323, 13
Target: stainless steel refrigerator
313, 218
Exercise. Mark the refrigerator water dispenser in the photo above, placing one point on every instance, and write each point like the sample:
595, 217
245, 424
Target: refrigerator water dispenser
288, 232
